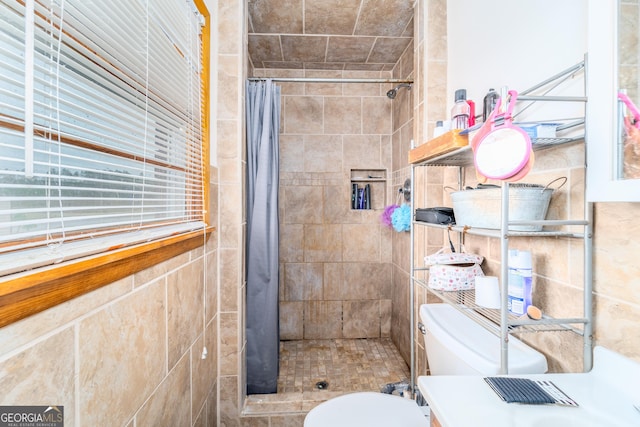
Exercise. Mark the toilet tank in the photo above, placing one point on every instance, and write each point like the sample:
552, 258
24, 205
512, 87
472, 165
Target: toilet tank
456, 345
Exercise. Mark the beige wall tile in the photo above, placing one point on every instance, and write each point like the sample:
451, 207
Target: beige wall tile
364, 89
185, 293
228, 344
365, 280
211, 286
323, 243
291, 242
363, 152
343, 115
227, 132
402, 109
617, 322
212, 400
170, 404
303, 114
285, 19
230, 34
331, 17
291, 320
201, 369
228, 75
228, 401
300, 48
302, 204
323, 88
616, 268
376, 117
333, 280
230, 220
361, 319
322, 319
323, 153
42, 375
361, 242
113, 389
229, 279
303, 281
436, 26
230, 172
292, 153
337, 204
385, 317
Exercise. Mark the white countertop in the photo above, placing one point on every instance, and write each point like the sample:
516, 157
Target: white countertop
606, 396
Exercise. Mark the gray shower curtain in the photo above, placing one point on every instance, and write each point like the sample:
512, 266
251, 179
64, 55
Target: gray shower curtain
262, 328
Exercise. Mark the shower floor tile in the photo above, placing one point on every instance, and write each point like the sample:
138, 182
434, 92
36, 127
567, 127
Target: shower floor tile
347, 365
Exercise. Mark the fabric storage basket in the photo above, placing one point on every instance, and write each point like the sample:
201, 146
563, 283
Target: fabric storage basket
453, 271
454, 277
481, 207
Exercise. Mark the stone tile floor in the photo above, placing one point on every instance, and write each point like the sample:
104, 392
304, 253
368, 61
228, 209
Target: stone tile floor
347, 365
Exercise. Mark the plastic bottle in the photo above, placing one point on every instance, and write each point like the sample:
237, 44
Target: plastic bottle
460, 111
489, 103
519, 281
439, 129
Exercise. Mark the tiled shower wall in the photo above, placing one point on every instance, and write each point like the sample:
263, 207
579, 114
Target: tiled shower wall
403, 131
335, 262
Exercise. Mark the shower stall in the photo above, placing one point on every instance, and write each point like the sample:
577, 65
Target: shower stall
344, 297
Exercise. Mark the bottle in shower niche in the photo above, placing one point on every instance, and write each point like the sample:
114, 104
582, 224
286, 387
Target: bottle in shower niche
460, 111
519, 278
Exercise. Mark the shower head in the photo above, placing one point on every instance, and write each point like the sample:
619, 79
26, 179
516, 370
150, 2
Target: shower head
391, 93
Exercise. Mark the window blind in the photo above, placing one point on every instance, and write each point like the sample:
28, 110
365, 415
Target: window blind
100, 126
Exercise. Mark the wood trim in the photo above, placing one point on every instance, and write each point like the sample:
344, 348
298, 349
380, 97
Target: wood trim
205, 77
29, 293
445, 143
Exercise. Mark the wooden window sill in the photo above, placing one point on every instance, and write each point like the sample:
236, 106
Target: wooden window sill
25, 294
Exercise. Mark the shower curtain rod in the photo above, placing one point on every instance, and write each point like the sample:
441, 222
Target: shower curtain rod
327, 80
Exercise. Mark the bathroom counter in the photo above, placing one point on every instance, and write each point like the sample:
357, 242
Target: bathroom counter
606, 396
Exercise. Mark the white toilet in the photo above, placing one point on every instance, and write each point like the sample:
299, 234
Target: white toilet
455, 345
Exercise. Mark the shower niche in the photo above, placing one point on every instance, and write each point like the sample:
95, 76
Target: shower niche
368, 189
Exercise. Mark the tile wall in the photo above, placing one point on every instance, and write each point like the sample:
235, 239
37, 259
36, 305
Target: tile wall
129, 353
335, 262
403, 135
430, 69
231, 46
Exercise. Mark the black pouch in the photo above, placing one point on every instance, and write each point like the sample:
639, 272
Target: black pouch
438, 215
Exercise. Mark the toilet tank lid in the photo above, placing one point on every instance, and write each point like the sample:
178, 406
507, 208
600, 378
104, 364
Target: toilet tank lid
476, 345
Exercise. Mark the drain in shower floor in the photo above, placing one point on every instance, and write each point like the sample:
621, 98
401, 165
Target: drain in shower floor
322, 385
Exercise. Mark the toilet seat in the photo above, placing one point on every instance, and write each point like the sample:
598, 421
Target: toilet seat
366, 409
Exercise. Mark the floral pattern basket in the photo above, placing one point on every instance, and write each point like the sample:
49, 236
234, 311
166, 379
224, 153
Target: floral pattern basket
454, 277
453, 271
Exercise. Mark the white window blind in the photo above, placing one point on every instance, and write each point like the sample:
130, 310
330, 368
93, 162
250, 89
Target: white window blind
100, 126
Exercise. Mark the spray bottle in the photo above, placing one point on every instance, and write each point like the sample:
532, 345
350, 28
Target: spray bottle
519, 281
